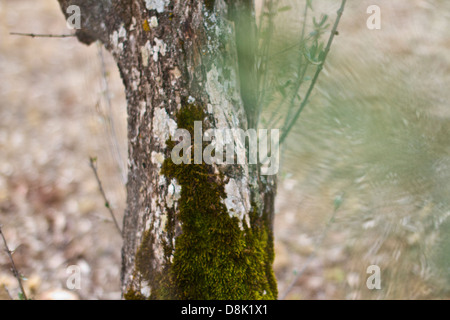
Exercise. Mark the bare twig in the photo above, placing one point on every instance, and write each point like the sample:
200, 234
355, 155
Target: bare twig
34, 35
302, 68
288, 128
13, 265
110, 118
107, 205
264, 51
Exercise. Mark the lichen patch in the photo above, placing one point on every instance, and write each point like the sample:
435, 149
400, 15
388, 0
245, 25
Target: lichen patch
159, 48
146, 52
163, 126
238, 200
158, 5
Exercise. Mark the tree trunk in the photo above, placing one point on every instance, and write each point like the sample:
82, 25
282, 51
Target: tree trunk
191, 231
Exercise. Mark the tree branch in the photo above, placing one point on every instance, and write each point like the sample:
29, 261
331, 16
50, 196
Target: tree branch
34, 35
288, 128
107, 205
14, 269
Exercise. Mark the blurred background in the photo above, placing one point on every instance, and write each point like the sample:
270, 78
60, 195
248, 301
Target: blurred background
365, 173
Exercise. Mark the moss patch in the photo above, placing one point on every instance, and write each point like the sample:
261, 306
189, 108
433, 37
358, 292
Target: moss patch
133, 295
214, 258
209, 4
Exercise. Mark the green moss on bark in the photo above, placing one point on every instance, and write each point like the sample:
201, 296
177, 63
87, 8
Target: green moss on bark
216, 256
133, 295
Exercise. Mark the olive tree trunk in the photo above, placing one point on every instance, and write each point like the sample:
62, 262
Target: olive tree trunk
191, 231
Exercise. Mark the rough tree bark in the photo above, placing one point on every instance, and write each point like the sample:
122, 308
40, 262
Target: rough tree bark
191, 231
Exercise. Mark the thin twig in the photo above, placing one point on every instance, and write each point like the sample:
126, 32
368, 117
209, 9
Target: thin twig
301, 72
288, 128
34, 35
110, 117
264, 53
107, 205
14, 269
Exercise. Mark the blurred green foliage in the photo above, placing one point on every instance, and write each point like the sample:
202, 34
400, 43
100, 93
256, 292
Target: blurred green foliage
378, 129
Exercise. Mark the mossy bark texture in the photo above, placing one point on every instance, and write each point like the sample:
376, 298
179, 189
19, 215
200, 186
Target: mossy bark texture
191, 231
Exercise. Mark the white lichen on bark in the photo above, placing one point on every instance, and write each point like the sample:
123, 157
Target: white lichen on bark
238, 200
159, 48
122, 32
146, 52
157, 158
163, 126
142, 109
158, 5
117, 39
153, 22
173, 193
145, 289
133, 24
136, 79
225, 105
222, 102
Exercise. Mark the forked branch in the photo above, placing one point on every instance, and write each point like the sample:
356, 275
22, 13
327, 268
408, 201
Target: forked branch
100, 186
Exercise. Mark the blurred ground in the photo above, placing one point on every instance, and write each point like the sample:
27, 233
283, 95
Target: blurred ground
52, 120
373, 143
